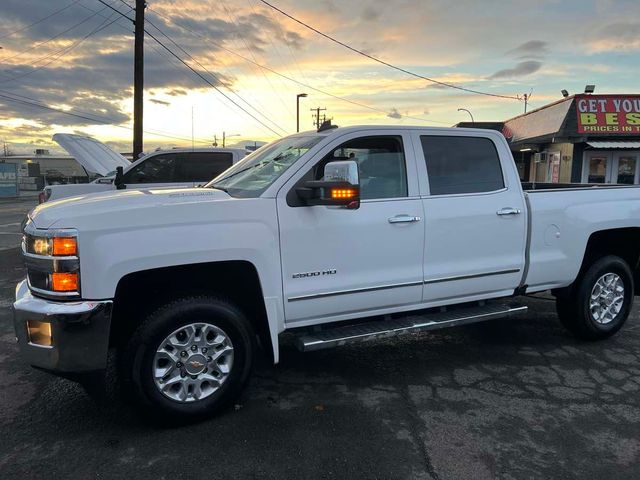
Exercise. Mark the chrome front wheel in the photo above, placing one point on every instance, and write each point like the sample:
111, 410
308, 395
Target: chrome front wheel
193, 362
607, 298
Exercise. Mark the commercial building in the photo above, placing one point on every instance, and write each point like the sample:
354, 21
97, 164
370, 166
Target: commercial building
582, 138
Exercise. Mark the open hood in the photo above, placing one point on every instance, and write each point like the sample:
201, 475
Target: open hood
94, 156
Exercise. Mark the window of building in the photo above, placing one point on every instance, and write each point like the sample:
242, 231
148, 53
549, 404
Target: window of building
461, 165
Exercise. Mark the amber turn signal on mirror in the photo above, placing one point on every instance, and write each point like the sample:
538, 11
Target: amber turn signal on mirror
344, 193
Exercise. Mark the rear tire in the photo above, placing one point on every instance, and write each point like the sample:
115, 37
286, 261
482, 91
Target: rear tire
598, 304
189, 359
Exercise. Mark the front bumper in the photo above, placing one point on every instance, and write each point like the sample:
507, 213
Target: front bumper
79, 332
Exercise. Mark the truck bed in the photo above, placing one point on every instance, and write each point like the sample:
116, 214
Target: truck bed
562, 218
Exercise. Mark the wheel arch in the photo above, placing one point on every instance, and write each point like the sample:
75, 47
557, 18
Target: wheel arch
623, 242
141, 292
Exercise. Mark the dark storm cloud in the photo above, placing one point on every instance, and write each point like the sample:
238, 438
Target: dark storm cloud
176, 92
95, 77
370, 14
394, 113
92, 86
520, 70
532, 48
621, 36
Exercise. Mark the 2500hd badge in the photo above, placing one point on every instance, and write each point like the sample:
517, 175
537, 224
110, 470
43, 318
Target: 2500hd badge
318, 273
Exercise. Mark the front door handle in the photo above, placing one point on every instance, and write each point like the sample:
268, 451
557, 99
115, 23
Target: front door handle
509, 211
404, 219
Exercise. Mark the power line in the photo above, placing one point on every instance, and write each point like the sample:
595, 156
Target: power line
284, 39
39, 21
215, 76
390, 65
92, 118
118, 11
251, 51
275, 72
59, 53
211, 84
200, 75
55, 36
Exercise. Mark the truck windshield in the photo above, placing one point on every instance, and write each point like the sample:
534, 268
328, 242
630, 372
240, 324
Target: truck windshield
253, 175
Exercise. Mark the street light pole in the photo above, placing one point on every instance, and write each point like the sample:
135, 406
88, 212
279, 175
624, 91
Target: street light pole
300, 95
465, 110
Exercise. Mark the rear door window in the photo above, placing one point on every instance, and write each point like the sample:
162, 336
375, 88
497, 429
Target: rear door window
457, 165
203, 166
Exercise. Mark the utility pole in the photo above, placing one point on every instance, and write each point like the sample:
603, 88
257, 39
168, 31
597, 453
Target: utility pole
138, 79
527, 97
317, 122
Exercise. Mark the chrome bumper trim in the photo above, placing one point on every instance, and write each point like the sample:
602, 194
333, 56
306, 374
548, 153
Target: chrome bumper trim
80, 332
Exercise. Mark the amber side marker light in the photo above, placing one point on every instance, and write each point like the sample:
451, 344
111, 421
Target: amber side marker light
39, 333
340, 193
65, 246
64, 282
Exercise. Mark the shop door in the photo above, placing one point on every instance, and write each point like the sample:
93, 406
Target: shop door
597, 168
625, 168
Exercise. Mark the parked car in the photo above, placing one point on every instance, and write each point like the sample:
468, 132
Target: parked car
178, 167
337, 236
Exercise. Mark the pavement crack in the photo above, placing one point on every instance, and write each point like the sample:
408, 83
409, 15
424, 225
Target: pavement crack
414, 420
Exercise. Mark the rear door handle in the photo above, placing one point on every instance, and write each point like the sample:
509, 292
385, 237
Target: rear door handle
509, 211
404, 219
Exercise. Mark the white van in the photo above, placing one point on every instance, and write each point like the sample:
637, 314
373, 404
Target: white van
178, 167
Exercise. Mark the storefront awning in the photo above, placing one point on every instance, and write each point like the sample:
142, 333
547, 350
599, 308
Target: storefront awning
635, 145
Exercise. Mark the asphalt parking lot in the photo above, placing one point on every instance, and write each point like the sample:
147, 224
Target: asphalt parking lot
12, 212
512, 399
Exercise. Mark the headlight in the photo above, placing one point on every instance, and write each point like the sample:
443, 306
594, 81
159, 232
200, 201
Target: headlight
52, 261
51, 246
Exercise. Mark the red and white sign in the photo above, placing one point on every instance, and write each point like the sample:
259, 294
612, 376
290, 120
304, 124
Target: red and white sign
608, 114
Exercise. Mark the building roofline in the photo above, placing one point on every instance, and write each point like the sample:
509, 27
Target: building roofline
566, 99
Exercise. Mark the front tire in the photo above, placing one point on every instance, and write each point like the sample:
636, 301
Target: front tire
189, 359
598, 304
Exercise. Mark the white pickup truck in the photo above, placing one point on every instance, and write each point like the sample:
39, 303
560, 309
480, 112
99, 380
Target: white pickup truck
335, 236
178, 167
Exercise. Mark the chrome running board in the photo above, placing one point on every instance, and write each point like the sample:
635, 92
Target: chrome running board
364, 332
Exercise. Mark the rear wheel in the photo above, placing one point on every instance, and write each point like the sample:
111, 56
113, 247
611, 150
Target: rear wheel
189, 359
599, 302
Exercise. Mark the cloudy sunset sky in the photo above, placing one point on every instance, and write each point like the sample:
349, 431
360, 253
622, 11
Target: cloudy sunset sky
77, 56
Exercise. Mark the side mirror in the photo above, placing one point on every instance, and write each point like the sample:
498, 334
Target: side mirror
340, 186
118, 181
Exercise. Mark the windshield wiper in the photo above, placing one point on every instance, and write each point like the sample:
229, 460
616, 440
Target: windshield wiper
234, 174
